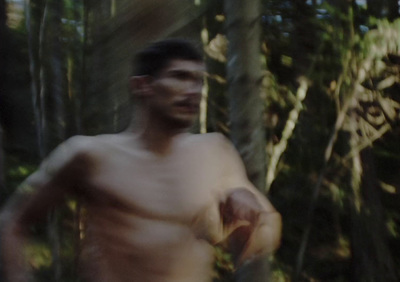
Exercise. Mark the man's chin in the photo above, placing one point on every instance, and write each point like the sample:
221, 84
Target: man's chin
184, 122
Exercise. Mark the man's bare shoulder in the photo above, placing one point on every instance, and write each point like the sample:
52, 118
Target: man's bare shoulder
67, 151
81, 144
214, 140
78, 151
217, 145
211, 136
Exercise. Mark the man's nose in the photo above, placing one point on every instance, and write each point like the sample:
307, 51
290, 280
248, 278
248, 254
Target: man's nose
194, 95
196, 83
195, 88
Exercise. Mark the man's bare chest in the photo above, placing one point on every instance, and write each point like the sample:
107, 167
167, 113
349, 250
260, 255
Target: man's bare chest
175, 187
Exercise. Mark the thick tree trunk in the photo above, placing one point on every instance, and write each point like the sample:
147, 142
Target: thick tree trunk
244, 80
246, 106
48, 76
54, 97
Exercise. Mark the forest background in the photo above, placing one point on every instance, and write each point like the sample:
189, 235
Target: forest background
313, 106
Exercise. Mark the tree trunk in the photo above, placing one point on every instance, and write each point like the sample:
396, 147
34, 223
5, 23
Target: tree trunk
76, 92
54, 96
33, 15
53, 75
2, 173
246, 106
244, 81
3, 39
48, 72
75, 70
3, 49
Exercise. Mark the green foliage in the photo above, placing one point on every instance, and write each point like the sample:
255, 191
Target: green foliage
39, 255
347, 59
223, 266
16, 170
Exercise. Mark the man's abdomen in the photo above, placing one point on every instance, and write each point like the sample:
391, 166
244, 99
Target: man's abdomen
130, 248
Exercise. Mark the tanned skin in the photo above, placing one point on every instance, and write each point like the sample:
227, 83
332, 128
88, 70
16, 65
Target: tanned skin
157, 199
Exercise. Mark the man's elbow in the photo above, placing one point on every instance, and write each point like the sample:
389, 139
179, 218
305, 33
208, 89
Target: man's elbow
271, 232
276, 231
265, 239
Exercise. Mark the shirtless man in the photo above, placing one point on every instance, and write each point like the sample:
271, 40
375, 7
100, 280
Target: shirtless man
157, 198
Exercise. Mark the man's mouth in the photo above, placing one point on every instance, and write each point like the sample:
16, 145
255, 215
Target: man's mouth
188, 107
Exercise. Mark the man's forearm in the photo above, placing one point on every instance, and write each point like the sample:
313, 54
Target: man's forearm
253, 228
259, 238
264, 237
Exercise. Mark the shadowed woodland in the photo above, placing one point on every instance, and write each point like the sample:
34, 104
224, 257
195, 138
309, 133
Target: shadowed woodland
308, 91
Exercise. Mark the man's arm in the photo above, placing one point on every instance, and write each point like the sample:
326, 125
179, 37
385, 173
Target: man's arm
251, 224
41, 192
27, 205
252, 229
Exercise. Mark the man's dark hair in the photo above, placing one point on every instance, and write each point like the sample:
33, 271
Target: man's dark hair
157, 55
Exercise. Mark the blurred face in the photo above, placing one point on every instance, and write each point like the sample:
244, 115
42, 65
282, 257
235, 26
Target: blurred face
176, 92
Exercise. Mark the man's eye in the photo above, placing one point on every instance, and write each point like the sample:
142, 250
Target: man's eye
181, 75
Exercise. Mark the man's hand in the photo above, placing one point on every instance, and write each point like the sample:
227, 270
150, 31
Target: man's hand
251, 230
240, 205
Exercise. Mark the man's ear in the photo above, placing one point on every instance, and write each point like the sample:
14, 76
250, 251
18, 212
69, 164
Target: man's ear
140, 85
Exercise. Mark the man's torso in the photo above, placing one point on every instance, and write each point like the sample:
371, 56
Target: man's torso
151, 217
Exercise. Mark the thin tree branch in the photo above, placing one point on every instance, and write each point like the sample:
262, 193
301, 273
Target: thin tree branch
287, 132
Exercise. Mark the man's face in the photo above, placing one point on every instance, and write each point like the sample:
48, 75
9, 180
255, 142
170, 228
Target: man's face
176, 92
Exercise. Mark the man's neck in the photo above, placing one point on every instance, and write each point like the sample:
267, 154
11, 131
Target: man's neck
156, 136
159, 140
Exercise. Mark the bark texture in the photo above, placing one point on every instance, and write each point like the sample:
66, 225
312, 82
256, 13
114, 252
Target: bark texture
244, 81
